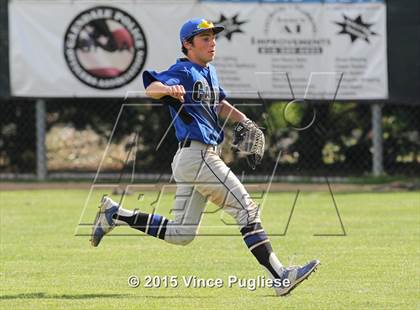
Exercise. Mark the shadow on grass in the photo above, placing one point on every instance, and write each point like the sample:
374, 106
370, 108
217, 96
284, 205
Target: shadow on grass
90, 296
63, 296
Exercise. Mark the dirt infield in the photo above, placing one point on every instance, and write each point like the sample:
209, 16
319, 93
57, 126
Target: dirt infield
277, 187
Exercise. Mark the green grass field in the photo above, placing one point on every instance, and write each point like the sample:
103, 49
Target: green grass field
375, 266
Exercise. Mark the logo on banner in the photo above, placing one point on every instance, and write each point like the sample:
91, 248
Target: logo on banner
290, 30
105, 48
356, 28
231, 24
289, 21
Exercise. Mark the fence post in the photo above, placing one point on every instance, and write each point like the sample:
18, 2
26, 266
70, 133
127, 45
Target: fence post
41, 158
377, 156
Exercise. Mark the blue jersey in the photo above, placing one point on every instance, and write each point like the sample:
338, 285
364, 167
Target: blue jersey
202, 97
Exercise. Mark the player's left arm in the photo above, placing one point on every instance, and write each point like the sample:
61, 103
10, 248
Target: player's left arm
228, 111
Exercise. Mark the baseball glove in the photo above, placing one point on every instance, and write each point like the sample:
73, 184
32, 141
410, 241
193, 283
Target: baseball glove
249, 140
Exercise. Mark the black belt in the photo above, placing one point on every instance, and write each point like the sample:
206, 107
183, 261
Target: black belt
187, 143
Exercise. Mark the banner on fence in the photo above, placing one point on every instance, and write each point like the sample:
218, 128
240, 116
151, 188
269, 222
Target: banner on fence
312, 49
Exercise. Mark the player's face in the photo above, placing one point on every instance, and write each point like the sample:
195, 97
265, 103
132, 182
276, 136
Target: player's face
203, 48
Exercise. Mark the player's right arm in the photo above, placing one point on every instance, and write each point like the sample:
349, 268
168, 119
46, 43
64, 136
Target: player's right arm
157, 90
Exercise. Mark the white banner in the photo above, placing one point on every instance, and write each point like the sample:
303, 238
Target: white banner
277, 50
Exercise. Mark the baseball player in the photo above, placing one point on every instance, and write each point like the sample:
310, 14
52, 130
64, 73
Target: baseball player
196, 102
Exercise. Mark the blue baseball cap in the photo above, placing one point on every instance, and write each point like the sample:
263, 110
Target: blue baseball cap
195, 26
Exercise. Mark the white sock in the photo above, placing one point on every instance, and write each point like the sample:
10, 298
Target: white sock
123, 212
276, 264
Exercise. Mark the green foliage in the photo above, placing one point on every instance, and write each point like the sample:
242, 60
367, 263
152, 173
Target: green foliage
338, 142
401, 132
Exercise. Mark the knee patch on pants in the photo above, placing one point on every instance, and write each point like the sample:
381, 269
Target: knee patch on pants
180, 234
245, 215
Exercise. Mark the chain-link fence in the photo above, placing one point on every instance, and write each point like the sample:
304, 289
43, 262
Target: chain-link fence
112, 136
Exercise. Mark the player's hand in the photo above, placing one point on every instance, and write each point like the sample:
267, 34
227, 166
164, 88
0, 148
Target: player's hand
177, 92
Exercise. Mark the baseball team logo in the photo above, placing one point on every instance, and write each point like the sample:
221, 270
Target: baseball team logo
105, 47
